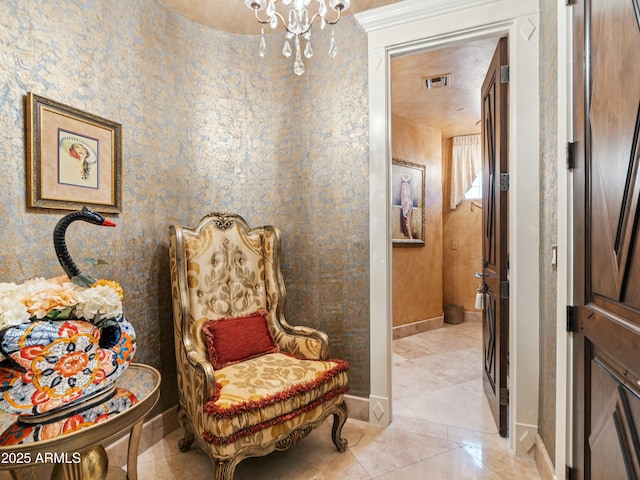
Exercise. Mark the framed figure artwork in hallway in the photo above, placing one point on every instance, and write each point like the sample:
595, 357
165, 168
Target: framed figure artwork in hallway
407, 195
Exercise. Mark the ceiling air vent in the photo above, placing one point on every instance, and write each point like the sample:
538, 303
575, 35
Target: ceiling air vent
439, 81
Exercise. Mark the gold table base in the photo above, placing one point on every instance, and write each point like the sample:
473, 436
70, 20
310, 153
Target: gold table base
94, 464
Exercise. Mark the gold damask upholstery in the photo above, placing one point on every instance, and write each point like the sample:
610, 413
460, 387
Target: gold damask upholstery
224, 269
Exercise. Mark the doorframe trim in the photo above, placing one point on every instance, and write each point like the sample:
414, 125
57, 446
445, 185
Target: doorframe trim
564, 343
399, 29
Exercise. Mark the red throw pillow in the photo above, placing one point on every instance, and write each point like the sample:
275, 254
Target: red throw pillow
231, 340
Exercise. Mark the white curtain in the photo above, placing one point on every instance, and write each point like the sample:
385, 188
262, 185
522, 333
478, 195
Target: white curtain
466, 164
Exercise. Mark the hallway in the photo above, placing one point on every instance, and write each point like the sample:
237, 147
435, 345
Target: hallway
442, 428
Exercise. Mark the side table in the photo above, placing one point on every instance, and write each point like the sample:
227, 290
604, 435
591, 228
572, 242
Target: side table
80, 455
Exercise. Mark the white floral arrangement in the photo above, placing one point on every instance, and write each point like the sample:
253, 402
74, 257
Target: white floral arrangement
59, 299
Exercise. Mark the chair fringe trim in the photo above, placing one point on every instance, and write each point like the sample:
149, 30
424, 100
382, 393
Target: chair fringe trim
245, 432
252, 405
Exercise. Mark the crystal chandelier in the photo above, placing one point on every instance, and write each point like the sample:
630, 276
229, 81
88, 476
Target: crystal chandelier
298, 24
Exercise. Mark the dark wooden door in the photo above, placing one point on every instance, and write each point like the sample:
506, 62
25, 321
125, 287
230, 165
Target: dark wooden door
495, 315
606, 313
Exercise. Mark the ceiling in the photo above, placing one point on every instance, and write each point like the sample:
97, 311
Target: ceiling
454, 109
233, 15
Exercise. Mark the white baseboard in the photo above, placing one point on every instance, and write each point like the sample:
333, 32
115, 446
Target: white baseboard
379, 410
525, 437
358, 407
420, 326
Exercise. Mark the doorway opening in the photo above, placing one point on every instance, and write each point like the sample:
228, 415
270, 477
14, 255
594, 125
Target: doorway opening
440, 371
414, 26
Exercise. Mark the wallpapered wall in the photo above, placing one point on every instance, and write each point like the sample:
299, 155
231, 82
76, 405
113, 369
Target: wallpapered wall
548, 222
417, 271
207, 126
462, 226
420, 293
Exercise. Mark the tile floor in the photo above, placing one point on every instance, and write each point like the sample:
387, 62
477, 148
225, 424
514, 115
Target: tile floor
442, 428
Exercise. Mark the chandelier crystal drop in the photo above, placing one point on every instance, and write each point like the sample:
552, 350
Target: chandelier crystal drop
298, 24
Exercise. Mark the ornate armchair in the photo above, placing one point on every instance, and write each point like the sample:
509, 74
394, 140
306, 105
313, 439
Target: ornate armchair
248, 382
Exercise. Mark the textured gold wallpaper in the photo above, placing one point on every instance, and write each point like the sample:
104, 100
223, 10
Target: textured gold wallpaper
462, 227
417, 271
207, 125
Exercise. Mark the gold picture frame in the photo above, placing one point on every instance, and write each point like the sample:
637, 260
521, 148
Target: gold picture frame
74, 158
408, 203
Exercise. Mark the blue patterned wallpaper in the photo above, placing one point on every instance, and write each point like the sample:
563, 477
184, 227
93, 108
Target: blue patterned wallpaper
207, 125
548, 223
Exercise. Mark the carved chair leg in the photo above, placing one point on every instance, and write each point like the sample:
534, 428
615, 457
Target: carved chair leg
339, 419
224, 469
185, 443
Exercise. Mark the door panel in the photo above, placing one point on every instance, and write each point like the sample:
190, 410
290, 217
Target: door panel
613, 435
613, 116
607, 260
495, 316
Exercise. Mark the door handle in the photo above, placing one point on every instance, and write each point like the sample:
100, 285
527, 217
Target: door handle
483, 275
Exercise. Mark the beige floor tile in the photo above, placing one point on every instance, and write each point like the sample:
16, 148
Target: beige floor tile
408, 348
449, 338
165, 461
454, 464
455, 367
316, 457
506, 465
466, 436
421, 427
309, 460
462, 405
409, 379
387, 450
